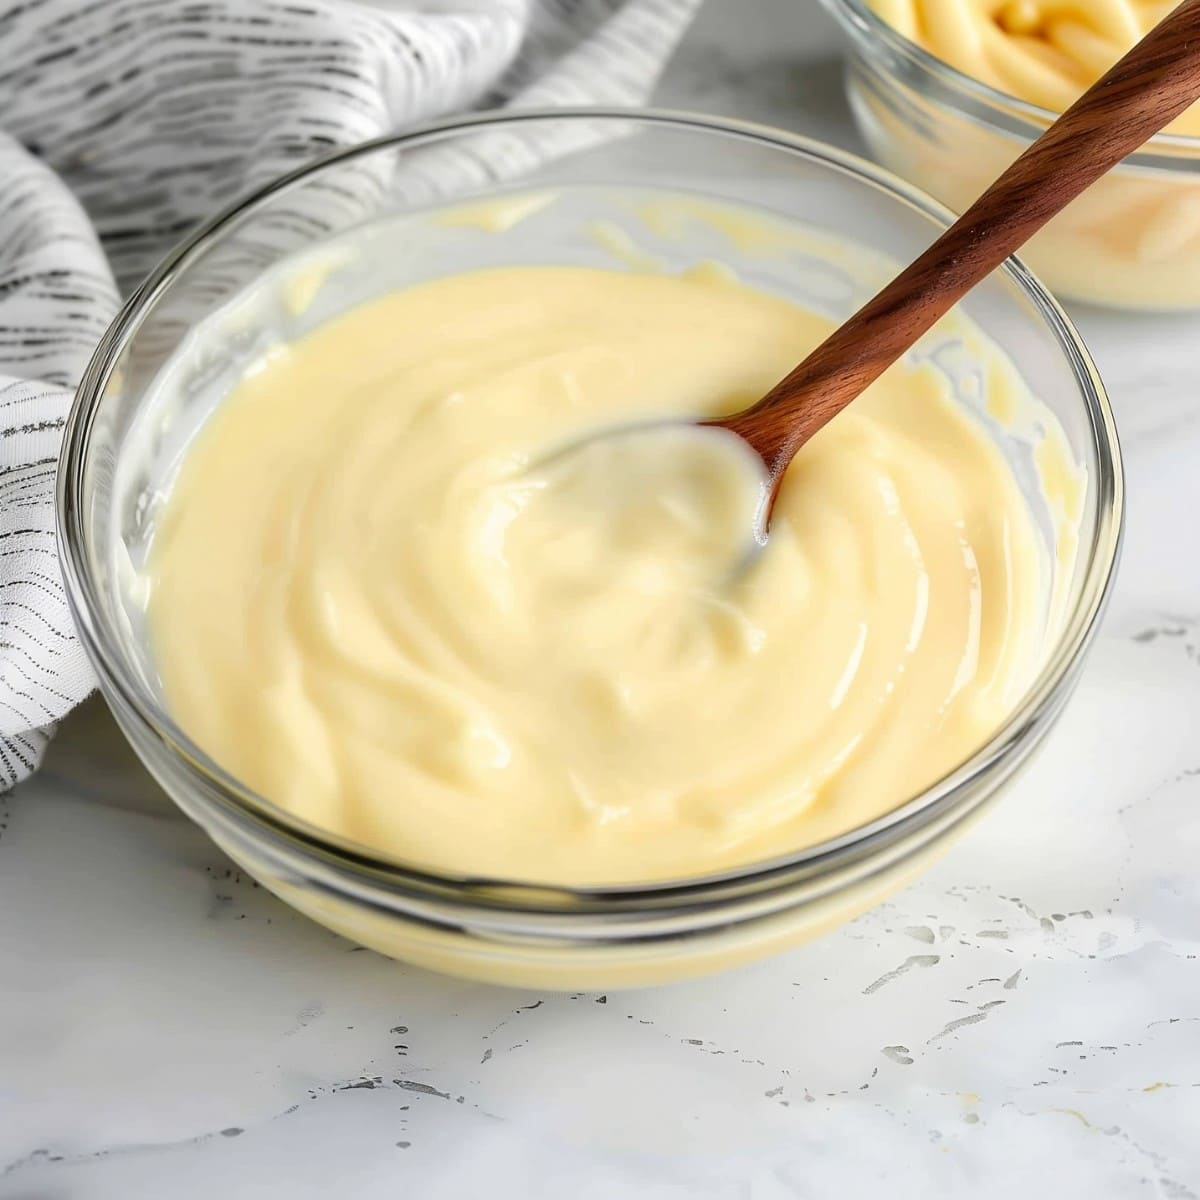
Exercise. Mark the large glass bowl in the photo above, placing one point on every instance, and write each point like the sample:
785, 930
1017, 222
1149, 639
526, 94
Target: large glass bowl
127, 431
1132, 241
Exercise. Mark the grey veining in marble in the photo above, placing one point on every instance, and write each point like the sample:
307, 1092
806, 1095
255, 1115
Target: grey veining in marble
1024, 1020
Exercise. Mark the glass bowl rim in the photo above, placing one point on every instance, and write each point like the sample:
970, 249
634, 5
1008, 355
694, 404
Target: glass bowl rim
1036, 709
858, 18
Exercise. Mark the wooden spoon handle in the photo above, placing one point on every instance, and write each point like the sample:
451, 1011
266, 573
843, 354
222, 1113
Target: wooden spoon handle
1146, 90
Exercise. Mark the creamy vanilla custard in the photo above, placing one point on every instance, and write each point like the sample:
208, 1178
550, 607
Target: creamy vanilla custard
384, 597
1045, 51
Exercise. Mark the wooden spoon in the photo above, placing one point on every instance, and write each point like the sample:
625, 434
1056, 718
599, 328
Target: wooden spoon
1145, 91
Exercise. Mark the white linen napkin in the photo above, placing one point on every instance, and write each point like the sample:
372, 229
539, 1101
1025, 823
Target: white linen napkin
125, 122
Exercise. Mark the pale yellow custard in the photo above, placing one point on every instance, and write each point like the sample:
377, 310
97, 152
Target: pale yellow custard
381, 596
1133, 239
1045, 51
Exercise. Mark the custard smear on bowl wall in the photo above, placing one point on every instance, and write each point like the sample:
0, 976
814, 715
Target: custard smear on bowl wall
1133, 240
407, 625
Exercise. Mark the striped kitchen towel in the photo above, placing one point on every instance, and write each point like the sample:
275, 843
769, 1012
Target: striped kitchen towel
125, 122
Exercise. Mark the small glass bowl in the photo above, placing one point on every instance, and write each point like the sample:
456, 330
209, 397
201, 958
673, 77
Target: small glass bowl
127, 433
1132, 241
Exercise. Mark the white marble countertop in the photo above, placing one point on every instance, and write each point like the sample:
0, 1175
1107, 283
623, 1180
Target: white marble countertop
1026, 1018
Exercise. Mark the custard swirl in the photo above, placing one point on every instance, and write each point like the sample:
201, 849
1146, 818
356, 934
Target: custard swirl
374, 604
1047, 52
